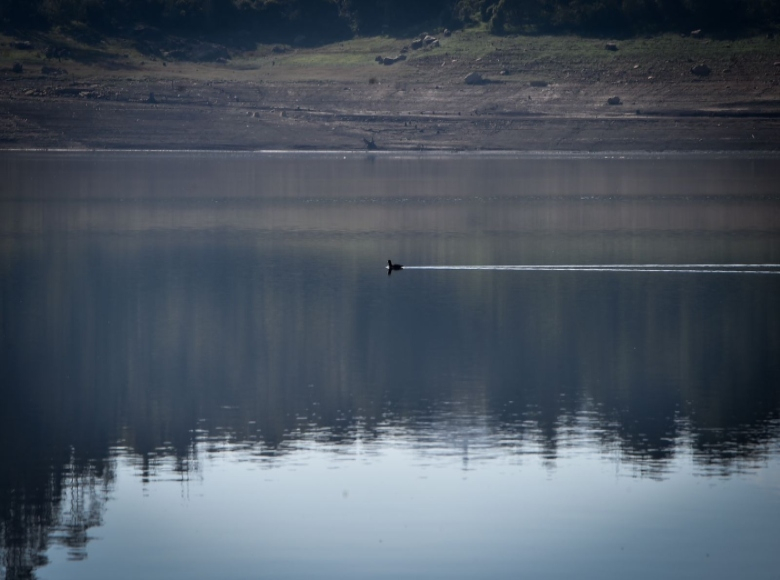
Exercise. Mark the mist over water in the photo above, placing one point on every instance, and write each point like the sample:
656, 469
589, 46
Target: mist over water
206, 367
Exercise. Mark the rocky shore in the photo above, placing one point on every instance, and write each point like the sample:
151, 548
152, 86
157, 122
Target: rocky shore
469, 91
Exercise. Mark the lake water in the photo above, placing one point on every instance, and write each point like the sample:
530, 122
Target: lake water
207, 372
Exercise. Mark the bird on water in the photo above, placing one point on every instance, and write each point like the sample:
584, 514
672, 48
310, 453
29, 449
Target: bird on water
391, 267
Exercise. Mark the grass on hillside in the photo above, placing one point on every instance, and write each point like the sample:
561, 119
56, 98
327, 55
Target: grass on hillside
354, 59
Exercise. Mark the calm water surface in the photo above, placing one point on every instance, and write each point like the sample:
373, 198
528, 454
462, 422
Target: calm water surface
206, 372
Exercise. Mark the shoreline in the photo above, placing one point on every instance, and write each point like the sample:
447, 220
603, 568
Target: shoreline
396, 122
431, 153
551, 94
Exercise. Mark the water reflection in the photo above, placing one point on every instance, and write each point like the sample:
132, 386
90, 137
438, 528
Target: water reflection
163, 332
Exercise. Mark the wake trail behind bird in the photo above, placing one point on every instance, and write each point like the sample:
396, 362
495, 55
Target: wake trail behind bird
680, 268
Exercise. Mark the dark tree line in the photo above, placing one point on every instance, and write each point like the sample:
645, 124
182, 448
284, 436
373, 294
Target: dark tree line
321, 19
622, 16
331, 19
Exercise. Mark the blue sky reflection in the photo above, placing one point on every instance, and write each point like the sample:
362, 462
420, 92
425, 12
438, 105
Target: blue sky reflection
391, 511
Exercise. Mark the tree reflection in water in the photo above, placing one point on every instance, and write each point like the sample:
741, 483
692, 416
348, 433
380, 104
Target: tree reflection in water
50, 505
154, 353
160, 332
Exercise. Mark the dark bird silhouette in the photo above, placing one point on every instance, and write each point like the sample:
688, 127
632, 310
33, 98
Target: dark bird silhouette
391, 267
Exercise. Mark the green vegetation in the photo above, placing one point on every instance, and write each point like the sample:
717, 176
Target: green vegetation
316, 21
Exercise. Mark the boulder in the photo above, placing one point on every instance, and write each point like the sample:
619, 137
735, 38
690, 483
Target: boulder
23, 45
701, 70
697, 33
207, 52
613, 101
176, 54
143, 32
447, 33
474, 78
51, 70
611, 46
416, 44
58, 52
429, 39
387, 61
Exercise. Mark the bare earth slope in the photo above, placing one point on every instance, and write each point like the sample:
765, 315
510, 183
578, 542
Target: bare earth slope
538, 93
